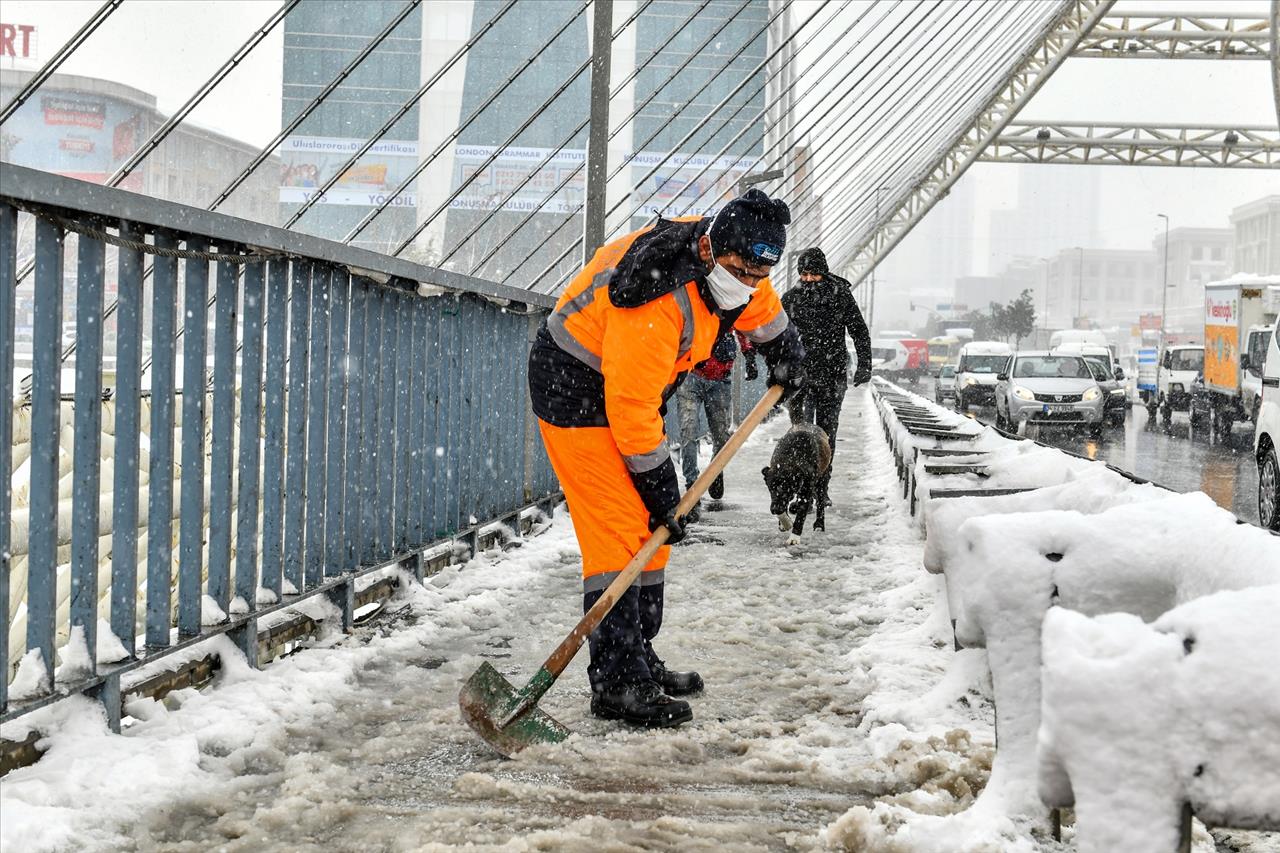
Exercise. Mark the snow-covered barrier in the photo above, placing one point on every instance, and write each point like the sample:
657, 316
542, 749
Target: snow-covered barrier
1020, 531
1140, 719
1142, 558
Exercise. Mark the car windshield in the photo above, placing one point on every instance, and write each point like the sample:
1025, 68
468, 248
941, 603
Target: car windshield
947, 372
884, 353
1051, 367
1186, 359
982, 363
1098, 369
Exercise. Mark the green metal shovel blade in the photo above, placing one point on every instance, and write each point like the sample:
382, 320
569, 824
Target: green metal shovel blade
486, 700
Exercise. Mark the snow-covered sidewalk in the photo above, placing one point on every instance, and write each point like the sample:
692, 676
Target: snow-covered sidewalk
831, 683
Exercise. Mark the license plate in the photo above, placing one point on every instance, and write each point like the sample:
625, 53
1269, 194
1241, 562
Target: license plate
1058, 410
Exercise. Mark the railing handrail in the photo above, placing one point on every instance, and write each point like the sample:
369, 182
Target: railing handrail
36, 188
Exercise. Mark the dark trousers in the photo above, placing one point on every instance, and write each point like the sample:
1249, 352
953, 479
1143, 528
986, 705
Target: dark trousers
819, 403
622, 645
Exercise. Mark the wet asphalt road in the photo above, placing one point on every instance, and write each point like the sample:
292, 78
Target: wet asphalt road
1178, 457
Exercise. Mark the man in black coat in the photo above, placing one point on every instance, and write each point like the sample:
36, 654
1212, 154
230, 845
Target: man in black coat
823, 309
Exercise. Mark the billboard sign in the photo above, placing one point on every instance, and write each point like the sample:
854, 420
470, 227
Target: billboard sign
77, 134
492, 182
309, 161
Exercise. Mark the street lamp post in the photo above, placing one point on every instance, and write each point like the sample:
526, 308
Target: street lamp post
1079, 285
1164, 285
871, 299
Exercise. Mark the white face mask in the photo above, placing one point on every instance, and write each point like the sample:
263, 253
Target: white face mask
729, 293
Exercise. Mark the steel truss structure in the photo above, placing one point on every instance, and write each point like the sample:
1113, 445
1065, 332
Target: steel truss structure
1179, 35
1094, 144
1059, 39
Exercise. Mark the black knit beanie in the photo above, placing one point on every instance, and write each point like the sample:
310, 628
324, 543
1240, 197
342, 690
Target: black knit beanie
754, 226
812, 261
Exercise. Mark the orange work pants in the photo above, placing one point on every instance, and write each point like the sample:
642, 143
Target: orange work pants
610, 520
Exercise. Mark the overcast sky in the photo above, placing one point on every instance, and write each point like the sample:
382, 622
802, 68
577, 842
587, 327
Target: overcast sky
169, 47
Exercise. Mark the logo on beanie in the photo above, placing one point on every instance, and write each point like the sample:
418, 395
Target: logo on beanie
766, 252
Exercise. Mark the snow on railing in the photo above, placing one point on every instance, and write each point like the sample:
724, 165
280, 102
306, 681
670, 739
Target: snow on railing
1025, 533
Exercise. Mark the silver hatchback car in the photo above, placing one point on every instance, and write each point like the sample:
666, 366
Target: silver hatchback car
1048, 388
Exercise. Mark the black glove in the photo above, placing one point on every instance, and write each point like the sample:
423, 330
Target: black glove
752, 372
659, 489
675, 526
861, 376
790, 375
784, 356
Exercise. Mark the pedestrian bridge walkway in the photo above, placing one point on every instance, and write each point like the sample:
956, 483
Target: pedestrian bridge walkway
815, 657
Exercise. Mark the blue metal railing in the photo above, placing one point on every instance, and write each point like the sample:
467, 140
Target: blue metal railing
338, 421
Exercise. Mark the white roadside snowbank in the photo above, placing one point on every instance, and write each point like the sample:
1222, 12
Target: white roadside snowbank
1138, 719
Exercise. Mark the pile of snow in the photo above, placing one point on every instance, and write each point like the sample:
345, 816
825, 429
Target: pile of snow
1138, 719
1141, 558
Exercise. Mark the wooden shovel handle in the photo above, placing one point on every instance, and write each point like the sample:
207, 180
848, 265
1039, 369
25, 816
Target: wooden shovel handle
566, 650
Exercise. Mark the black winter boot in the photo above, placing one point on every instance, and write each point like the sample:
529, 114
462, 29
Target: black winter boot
675, 683
641, 704
716, 489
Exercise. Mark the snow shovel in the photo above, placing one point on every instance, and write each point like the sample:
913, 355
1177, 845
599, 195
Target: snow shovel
509, 719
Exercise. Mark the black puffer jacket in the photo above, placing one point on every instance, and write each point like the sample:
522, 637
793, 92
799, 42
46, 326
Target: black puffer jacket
823, 311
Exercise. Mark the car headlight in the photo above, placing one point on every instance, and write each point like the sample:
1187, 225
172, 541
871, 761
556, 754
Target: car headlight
1022, 393
1092, 394
1175, 387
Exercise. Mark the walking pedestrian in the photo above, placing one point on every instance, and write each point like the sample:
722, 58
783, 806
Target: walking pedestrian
823, 309
710, 388
625, 332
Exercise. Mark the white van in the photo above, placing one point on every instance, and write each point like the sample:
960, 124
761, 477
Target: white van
976, 371
1092, 337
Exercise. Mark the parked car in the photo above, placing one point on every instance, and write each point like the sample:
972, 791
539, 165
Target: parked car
976, 371
1046, 388
1116, 397
945, 386
1266, 438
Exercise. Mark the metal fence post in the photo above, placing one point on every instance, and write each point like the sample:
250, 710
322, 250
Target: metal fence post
164, 306
46, 382
356, 368
404, 418
124, 532
255, 298
222, 434
370, 442
88, 438
387, 502
417, 417
317, 400
335, 443
296, 461
530, 421
191, 520
277, 312
598, 133
8, 300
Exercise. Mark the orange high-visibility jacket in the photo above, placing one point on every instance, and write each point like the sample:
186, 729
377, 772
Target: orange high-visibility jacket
642, 351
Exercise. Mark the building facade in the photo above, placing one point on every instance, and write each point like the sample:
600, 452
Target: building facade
1197, 256
1099, 288
1256, 236
320, 39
